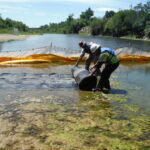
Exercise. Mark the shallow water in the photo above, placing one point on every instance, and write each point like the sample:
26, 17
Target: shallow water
42, 108
36, 81
132, 79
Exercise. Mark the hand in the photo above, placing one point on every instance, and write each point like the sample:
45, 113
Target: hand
91, 68
90, 75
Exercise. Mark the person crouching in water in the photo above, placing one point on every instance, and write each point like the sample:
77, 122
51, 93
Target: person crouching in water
109, 58
87, 48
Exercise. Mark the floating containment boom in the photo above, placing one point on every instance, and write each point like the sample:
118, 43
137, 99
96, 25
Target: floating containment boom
81, 77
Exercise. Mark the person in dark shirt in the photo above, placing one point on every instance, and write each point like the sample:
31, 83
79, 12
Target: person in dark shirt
87, 48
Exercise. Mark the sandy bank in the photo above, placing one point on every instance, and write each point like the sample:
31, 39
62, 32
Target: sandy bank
11, 37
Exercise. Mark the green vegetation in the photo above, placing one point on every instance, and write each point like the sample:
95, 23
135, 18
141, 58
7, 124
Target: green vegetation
94, 122
133, 22
10, 26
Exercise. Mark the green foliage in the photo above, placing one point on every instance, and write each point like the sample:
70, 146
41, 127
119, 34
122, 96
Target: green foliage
142, 8
139, 24
147, 29
132, 22
8, 24
6, 31
109, 14
71, 25
87, 15
97, 26
77, 25
121, 23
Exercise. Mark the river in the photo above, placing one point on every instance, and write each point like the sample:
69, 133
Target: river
42, 108
71, 42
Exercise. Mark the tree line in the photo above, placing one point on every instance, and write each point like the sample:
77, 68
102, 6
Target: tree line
134, 21
9, 25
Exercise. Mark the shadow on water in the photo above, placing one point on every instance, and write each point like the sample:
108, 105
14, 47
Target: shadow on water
118, 91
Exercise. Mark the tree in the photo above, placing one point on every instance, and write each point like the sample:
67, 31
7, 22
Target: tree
97, 26
9, 23
87, 15
2, 23
77, 25
144, 8
69, 23
139, 7
121, 23
69, 19
147, 29
147, 7
109, 14
139, 24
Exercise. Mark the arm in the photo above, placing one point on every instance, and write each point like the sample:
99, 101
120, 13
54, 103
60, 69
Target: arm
79, 59
102, 59
95, 68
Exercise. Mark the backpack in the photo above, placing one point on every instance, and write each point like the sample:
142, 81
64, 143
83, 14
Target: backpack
109, 50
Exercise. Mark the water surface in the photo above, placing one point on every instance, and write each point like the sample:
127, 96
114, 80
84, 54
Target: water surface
42, 107
71, 42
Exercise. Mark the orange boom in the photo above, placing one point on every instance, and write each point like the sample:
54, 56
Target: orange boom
51, 58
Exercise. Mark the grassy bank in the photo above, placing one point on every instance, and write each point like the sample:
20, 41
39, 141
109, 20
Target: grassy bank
6, 31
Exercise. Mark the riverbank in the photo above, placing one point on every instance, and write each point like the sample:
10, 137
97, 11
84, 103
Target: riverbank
134, 38
13, 37
127, 37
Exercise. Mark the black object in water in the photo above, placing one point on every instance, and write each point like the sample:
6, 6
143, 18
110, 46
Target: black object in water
81, 77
